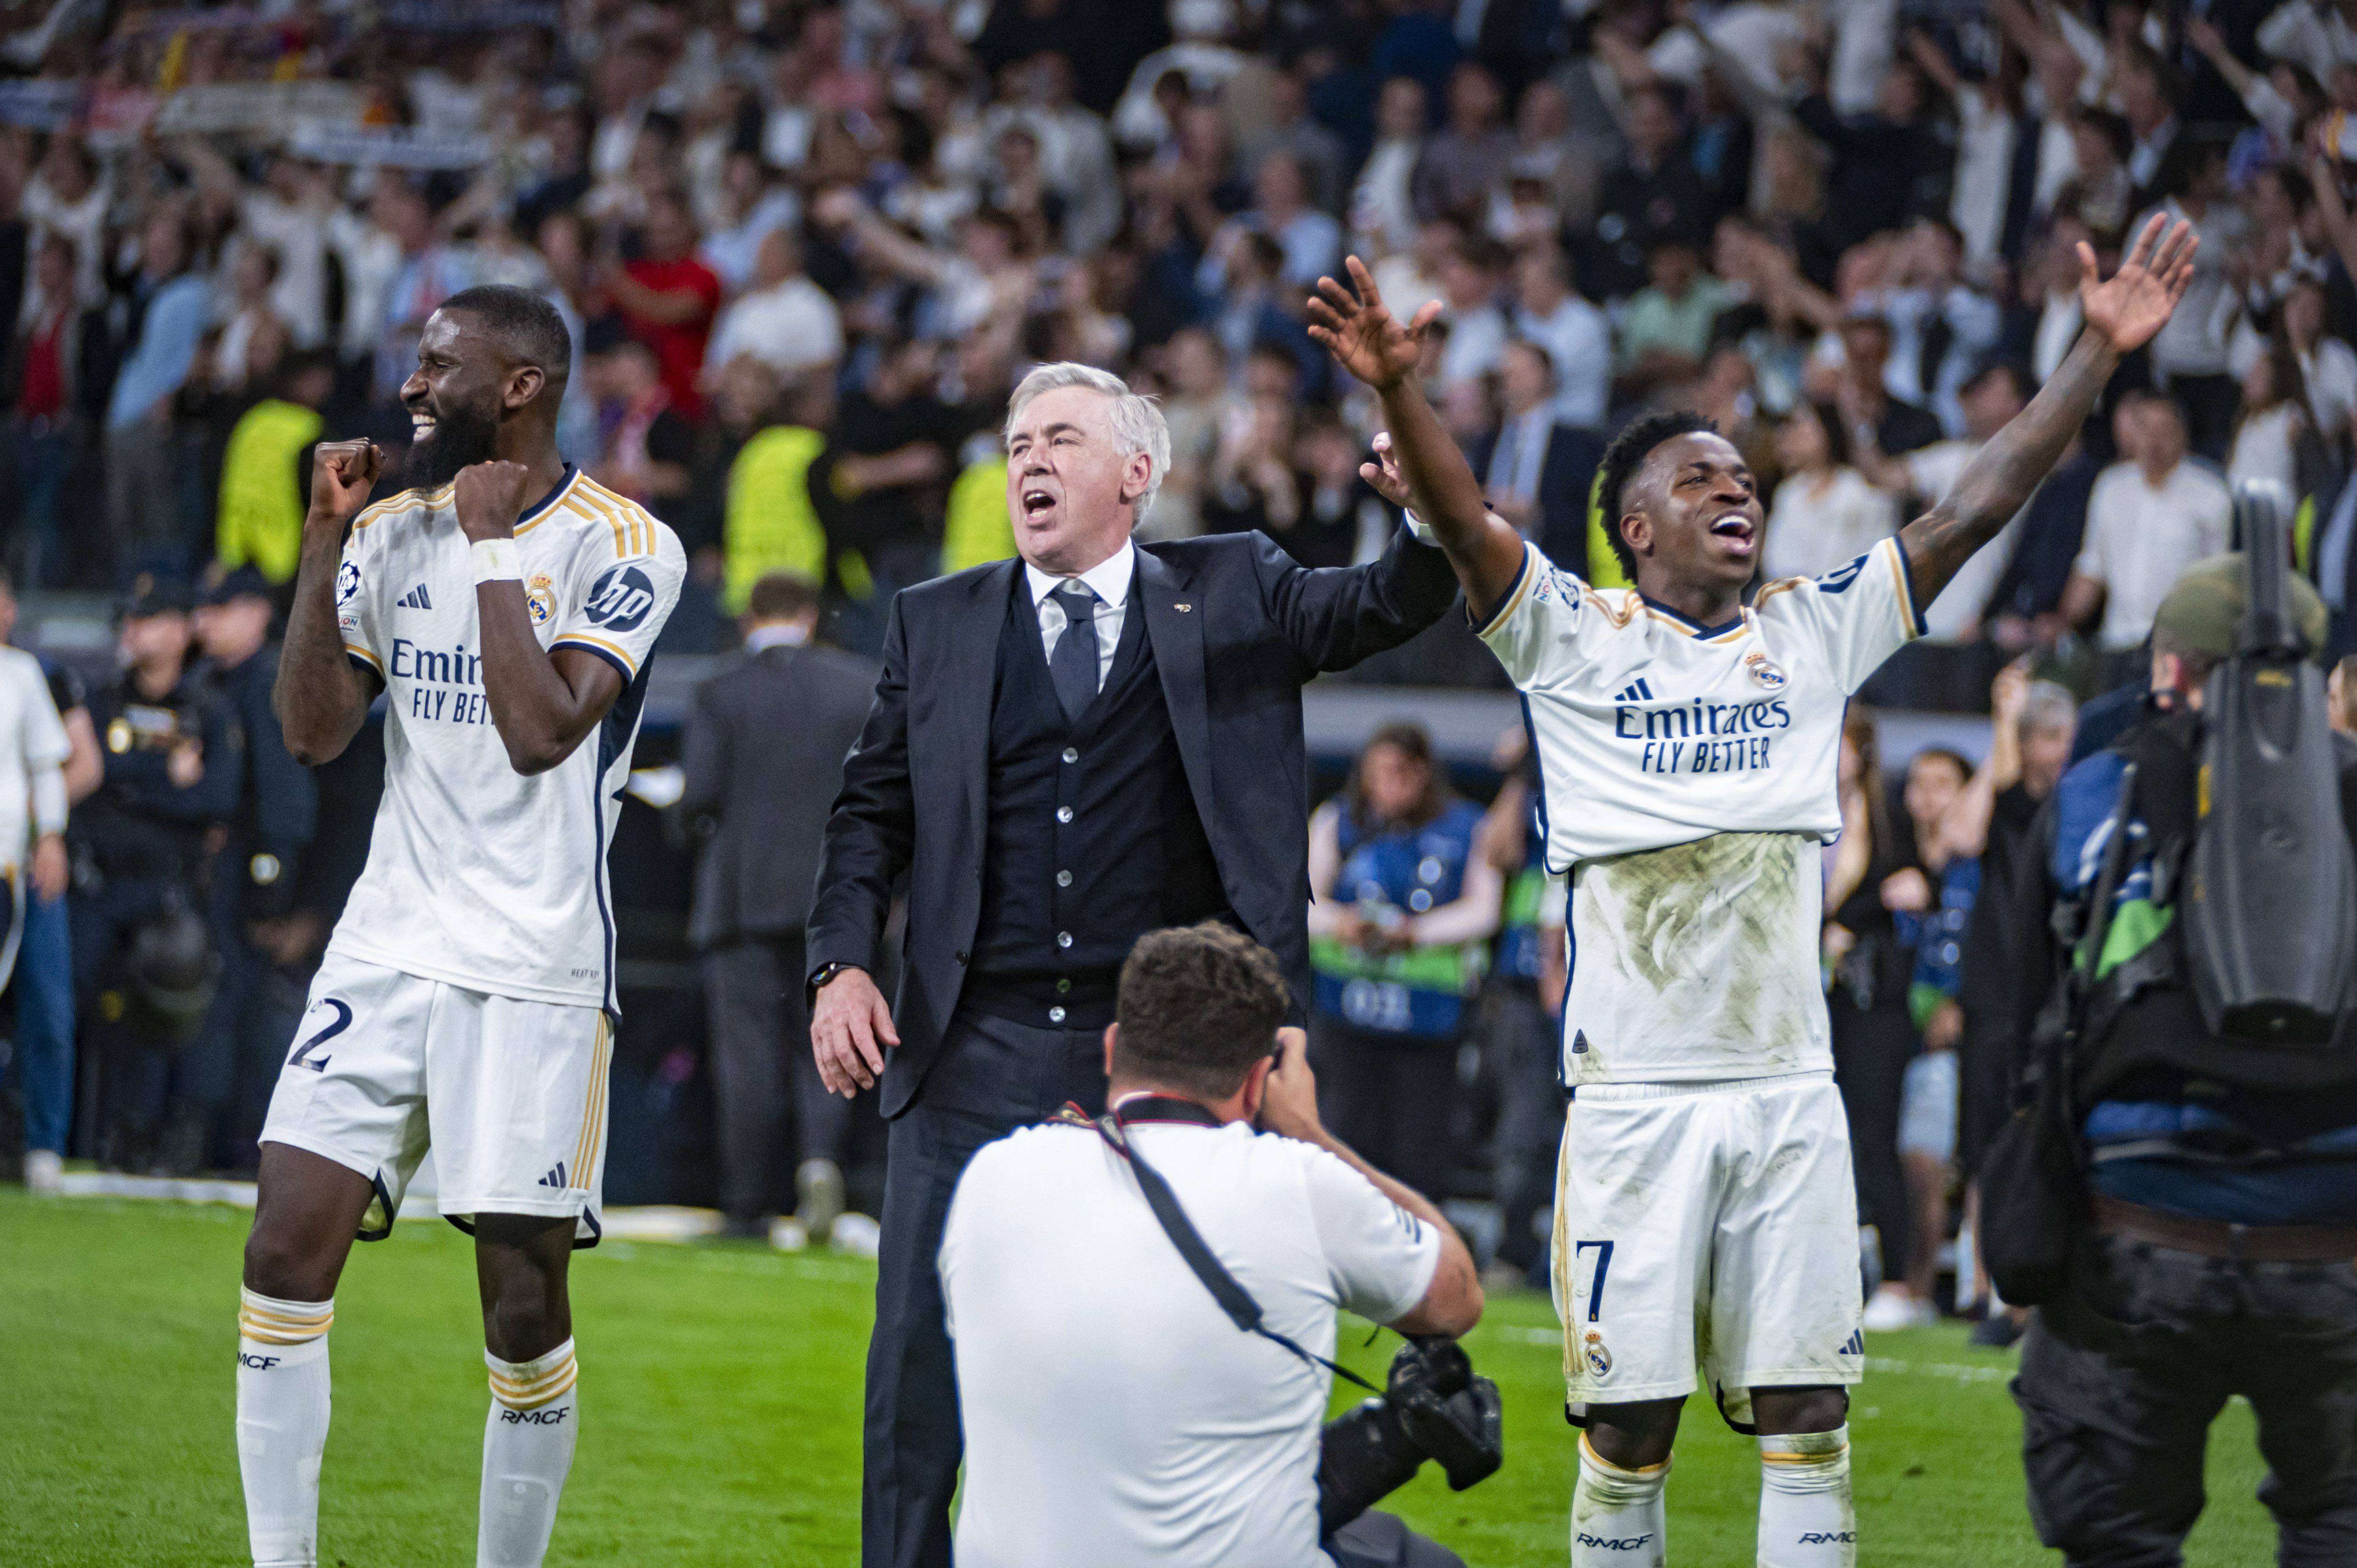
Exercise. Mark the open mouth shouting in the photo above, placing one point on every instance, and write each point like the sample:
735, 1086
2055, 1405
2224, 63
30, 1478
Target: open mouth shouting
1736, 531
1038, 502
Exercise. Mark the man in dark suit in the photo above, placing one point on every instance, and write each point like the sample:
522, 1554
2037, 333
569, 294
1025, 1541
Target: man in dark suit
1535, 472
764, 753
1066, 751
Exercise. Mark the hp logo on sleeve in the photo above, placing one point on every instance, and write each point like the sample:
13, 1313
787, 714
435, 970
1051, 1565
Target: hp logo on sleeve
620, 599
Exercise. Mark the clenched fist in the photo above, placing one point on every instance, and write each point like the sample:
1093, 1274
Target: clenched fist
489, 497
342, 474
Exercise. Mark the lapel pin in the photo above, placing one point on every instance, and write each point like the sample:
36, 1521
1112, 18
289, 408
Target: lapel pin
1182, 607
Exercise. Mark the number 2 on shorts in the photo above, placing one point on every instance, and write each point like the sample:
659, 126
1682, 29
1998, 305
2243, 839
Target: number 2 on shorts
1603, 1266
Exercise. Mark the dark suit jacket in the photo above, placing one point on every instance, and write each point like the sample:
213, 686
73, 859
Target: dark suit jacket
1236, 628
763, 754
1566, 476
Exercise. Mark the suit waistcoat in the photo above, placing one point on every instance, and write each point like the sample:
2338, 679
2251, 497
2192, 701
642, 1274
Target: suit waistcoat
1092, 837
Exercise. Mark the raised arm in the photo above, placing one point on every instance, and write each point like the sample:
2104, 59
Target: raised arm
322, 698
544, 702
2122, 316
1364, 339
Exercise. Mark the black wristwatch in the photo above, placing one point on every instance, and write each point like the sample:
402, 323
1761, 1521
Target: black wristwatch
826, 972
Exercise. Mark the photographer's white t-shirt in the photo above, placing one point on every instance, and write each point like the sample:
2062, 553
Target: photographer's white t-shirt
1113, 1414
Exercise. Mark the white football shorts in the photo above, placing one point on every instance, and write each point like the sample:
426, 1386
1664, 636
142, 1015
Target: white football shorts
511, 1095
1707, 1231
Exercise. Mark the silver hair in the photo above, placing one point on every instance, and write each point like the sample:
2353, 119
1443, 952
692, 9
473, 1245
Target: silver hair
1136, 421
2046, 705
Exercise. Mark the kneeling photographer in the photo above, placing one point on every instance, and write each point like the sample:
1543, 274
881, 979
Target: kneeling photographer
2180, 1197
1141, 1308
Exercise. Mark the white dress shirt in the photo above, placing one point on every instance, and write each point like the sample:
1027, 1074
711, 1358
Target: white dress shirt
1109, 579
2139, 537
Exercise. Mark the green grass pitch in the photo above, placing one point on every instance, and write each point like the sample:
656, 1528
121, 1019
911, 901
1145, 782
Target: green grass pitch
720, 1402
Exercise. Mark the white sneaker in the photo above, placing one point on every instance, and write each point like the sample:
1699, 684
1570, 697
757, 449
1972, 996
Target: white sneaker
857, 1234
44, 1171
1894, 1308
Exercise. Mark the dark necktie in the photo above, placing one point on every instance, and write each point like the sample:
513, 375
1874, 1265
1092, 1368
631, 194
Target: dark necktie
1073, 665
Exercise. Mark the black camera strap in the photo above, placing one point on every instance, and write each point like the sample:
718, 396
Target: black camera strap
1234, 1299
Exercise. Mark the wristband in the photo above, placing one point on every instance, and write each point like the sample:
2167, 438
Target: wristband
496, 560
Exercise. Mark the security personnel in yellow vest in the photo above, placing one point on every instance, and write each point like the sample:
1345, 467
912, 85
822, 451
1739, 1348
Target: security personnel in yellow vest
265, 470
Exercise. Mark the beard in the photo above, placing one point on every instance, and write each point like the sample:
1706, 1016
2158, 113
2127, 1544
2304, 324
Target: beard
462, 437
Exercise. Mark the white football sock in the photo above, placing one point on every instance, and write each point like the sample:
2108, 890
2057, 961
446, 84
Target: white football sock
527, 1451
1617, 1517
1806, 1518
282, 1423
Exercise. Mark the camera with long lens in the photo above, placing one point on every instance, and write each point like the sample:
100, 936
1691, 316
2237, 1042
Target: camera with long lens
1433, 1406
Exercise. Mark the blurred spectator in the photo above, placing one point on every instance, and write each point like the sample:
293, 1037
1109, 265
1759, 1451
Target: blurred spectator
48, 420
771, 514
668, 298
2147, 520
1468, 155
1887, 166
2269, 431
1308, 238
1401, 904
763, 754
1521, 1023
1653, 196
1577, 340
1536, 471
1667, 328
649, 443
264, 939
1894, 425
57, 766
782, 318
169, 304
1477, 327
1873, 1034
1383, 208
1988, 402
2327, 366
1932, 900
1824, 512
266, 467
2188, 357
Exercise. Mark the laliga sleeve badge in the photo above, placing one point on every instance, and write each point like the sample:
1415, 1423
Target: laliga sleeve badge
1599, 1359
540, 598
1764, 671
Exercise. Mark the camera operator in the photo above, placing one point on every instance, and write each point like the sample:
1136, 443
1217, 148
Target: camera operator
1113, 1411
143, 964
2195, 1199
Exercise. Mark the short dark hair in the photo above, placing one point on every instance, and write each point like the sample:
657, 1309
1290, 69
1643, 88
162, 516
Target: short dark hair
1625, 456
531, 327
782, 595
1197, 1005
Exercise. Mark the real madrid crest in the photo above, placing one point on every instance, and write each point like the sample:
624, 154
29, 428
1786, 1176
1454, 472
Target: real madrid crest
1599, 1359
1764, 671
540, 597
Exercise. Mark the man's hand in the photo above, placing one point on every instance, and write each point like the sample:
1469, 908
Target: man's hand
49, 869
342, 474
1288, 1104
1361, 335
185, 765
1384, 474
850, 1018
2129, 308
2009, 693
489, 497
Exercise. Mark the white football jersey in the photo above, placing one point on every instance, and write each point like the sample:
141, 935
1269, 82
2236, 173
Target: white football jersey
1687, 775
477, 875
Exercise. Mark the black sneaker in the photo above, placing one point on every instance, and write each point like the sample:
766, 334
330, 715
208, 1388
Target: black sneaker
1997, 1331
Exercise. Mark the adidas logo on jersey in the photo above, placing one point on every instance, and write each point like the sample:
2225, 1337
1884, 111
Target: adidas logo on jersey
415, 599
1638, 692
1854, 1345
556, 1177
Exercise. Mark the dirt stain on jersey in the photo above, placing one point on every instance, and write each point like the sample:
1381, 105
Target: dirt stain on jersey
1670, 895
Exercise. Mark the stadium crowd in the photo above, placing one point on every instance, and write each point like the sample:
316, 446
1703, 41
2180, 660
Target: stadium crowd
806, 250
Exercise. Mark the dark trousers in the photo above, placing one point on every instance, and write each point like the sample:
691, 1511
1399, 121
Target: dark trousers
1526, 1048
2120, 1382
45, 1023
1872, 1046
992, 1077
1376, 1540
1390, 1097
760, 1041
